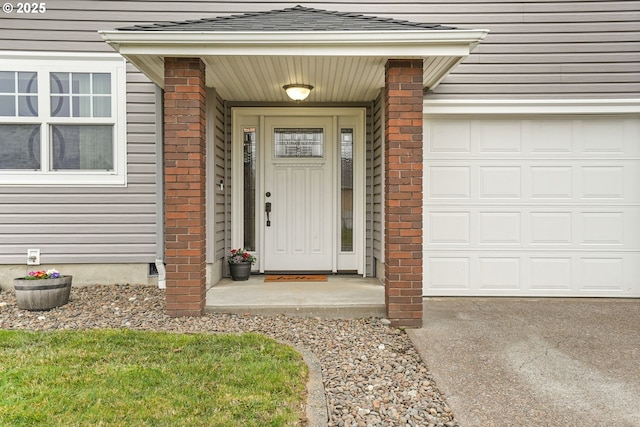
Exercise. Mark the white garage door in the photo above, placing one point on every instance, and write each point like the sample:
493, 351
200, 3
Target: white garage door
532, 206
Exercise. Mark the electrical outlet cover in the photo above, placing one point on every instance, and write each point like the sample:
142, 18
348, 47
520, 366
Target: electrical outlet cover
33, 256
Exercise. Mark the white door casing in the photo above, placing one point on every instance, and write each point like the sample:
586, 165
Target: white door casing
304, 232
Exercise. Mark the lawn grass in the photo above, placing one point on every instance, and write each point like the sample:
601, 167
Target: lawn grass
134, 378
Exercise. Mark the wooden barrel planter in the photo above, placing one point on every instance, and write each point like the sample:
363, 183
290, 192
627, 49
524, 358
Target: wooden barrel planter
42, 294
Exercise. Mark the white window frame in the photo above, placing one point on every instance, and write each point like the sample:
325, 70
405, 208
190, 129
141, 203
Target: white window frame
45, 63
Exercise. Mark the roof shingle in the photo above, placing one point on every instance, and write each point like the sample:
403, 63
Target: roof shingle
296, 18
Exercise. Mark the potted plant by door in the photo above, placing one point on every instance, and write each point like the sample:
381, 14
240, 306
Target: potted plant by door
42, 290
240, 262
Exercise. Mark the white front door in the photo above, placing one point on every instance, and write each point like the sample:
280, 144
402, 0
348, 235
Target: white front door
299, 201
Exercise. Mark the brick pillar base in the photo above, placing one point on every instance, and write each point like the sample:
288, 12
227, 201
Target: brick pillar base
184, 180
403, 192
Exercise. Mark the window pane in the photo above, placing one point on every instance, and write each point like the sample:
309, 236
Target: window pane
60, 106
346, 189
102, 106
81, 83
102, 83
28, 106
299, 142
82, 147
90, 97
59, 82
7, 82
250, 161
20, 147
7, 105
27, 82
81, 106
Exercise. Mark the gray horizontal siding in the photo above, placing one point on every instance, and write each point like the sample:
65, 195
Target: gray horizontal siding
91, 225
377, 166
370, 195
219, 176
536, 48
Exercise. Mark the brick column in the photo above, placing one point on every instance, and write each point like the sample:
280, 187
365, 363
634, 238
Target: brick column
403, 192
184, 180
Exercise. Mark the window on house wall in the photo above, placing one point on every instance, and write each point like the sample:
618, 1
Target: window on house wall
62, 120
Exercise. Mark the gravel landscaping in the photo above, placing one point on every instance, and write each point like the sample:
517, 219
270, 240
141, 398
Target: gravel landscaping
372, 374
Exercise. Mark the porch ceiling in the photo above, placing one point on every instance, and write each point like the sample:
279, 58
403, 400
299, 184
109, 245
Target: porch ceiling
260, 78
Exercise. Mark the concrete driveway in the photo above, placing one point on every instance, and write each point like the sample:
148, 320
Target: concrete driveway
535, 362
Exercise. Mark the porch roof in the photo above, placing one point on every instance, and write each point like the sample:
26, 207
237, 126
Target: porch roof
250, 57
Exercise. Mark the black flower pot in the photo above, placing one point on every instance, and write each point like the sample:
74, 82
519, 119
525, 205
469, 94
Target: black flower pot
240, 271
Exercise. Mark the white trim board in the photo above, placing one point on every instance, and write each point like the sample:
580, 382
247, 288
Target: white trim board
508, 106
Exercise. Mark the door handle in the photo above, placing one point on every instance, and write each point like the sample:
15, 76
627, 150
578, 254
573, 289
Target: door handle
267, 209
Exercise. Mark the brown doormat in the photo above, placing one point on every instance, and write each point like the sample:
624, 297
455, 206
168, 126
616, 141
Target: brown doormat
295, 278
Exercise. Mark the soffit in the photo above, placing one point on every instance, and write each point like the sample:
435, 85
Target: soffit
260, 78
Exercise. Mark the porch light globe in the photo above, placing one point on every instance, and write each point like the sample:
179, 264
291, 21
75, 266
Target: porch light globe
297, 92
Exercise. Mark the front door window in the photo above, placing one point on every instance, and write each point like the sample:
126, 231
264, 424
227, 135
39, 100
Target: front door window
298, 142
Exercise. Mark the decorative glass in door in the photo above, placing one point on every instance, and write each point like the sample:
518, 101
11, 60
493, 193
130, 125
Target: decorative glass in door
297, 143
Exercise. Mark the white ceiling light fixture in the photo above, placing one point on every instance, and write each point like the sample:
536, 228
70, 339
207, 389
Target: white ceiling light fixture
297, 92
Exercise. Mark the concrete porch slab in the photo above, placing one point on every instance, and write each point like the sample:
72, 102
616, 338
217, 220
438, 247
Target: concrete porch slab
341, 296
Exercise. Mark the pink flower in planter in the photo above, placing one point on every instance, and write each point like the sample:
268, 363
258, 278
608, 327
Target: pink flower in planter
41, 275
240, 256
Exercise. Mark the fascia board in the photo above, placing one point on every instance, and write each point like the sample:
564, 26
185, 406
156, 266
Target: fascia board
389, 51
389, 43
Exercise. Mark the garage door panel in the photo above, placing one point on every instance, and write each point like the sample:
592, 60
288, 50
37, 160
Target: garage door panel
499, 182
606, 181
532, 206
498, 136
551, 228
590, 137
549, 274
549, 137
601, 274
499, 274
603, 137
542, 273
579, 181
550, 182
449, 182
450, 137
449, 228
615, 228
499, 228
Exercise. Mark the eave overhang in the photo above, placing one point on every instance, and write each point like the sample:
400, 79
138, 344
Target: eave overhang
253, 66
